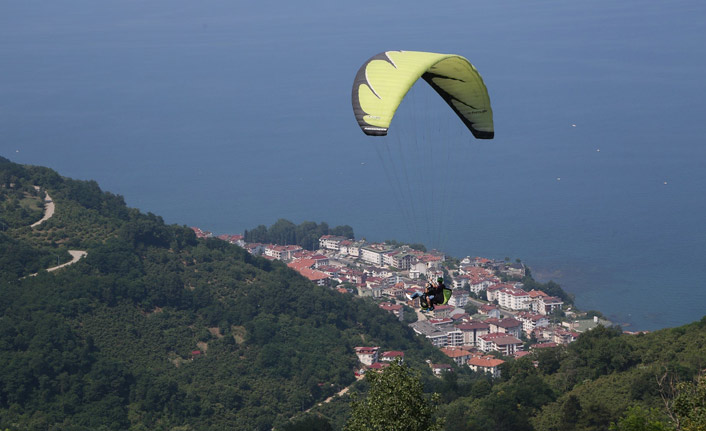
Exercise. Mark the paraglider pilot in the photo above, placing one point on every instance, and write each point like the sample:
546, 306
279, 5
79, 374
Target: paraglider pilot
433, 293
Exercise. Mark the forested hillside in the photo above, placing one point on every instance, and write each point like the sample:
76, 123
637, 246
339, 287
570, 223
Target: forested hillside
156, 329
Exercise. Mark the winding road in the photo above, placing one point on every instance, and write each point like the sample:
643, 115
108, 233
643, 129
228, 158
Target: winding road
337, 394
76, 255
49, 208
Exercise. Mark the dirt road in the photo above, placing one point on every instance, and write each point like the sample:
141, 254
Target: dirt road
48, 210
76, 255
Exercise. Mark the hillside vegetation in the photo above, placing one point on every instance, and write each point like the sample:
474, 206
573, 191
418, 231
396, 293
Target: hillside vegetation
155, 329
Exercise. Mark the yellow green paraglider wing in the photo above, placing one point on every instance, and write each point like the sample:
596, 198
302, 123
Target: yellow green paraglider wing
382, 82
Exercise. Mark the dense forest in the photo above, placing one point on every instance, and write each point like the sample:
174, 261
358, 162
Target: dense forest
305, 235
155, 329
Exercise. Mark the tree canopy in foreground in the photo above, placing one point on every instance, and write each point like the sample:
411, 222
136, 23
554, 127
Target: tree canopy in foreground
395, 401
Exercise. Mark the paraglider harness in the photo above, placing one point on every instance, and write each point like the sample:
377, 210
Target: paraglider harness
442, 294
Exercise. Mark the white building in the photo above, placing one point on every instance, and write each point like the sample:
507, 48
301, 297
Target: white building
331, 242
461, 280
478, 284
395, 309
513, 299
401, 258
459, 298
255, 248
459, 356
388, 258
438, 336
472, 331
503, 343
372, 290
392, 356
367, 355
281, 252
486, 364
351, 248
418, 269
531, 320
493, 291
507, 325
373, 253
454, 337
547, 304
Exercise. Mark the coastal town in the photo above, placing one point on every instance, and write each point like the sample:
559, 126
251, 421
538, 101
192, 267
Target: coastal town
489, 317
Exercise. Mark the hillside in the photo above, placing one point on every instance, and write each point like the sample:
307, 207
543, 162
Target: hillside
155, 329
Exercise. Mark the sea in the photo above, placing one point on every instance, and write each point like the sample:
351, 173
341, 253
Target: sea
230, 114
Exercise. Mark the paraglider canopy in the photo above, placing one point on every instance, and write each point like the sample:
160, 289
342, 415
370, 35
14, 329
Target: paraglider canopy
383, 81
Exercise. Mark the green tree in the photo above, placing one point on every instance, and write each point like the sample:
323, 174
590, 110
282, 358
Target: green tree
591, 313
410, 316
283, 232
395, 401
690, 405
418, 246
470, 308
309, 423
344, 231
638, 418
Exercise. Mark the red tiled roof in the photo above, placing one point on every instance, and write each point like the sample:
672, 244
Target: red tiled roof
302, 254
485, 361
552, 300
508, 322
313, 274
500, 338
528, 315
366, 350
455, 353
301, 263
429, 258
472, 325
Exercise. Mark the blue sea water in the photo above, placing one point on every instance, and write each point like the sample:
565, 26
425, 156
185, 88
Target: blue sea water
229, 114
